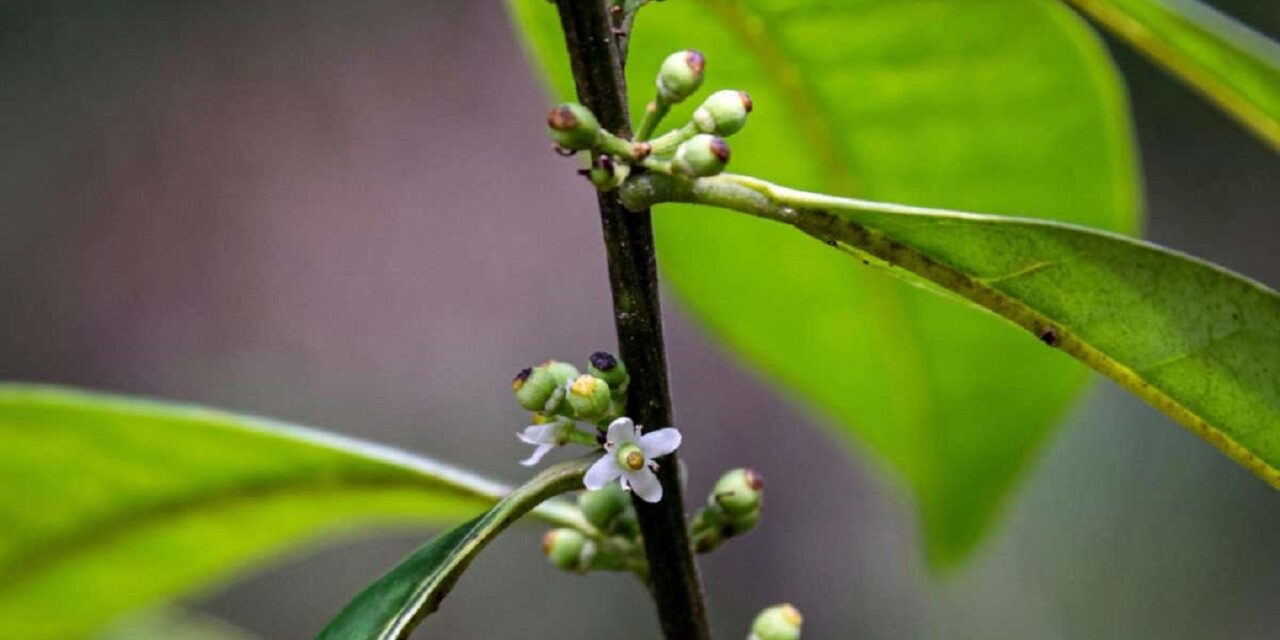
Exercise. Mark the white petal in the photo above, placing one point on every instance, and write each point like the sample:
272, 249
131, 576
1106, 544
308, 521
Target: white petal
659, 443
621, 430
537, 454
602, 472
645, 484
540, 433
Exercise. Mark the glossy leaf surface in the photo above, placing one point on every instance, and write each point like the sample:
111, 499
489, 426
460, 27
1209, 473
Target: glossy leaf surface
111, 504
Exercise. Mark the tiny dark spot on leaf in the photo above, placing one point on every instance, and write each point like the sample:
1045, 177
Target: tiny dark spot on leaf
1049, 336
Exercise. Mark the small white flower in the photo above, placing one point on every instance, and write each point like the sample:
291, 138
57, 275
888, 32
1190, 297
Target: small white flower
629, 457
544, 437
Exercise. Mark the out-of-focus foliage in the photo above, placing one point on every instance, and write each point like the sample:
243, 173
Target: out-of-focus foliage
392, 606
1230, 64
112, 504
173, 624
1009, 106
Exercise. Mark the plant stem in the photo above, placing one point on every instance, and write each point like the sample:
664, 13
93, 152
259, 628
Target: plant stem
597, 70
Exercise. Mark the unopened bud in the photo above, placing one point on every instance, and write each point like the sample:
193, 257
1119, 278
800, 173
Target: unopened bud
680, 75
573, 126
568, 549
563, 372
701, 156
723, 112
738, 493
604, 507
607, 367
589, 397
781, 622
537, 389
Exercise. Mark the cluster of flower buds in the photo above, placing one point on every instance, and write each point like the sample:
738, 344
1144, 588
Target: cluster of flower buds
779, 622
617, 544
694, 150
556, 388
733, 509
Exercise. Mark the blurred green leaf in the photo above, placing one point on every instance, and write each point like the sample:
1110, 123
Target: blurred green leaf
174, 624
392, 606
111, 504
1008, 106
1232, 65
1198, 342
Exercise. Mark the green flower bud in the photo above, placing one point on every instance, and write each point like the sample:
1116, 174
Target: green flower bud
738, 493
607, 367
568, 549
589, 397
680, 75
723, 113
562, 371
573, 126
735, 526
701, 156
604, 507
628, 525
537, 389
781, 622
706, 531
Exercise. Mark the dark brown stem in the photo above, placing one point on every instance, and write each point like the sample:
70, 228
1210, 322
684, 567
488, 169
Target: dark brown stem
628, 237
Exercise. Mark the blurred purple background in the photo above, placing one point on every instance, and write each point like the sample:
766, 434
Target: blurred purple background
346, 214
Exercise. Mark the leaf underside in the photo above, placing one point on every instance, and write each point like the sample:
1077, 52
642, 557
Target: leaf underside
112, 504
1197, 341
1007, 106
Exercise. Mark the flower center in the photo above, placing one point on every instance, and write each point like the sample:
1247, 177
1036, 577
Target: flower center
631, 457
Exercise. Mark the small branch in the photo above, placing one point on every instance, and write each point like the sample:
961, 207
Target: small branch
628, 236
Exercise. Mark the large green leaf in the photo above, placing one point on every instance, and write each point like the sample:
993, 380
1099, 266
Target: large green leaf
110, 504
392, 606
1235, 67
1198, 342
1009, 106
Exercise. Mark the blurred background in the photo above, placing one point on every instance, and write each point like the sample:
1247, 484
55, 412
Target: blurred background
341, 214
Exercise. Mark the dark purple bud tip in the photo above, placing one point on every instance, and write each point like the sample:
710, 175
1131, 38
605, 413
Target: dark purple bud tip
603, 360
521, 378
754, 480
746, 100
695, 60
562, 118
721, 149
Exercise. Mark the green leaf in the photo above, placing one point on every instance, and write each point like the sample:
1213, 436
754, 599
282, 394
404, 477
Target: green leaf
111, 504
1233, 66
1009, 106
392, 606
172, 624
1198, 342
